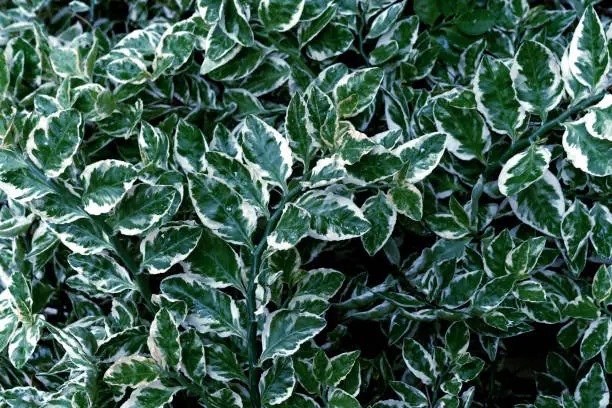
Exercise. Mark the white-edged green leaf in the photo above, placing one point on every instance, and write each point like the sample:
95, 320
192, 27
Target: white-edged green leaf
154, 145
189, 147
285, 330
356, 91
592, 390
421, 156
598, 120
266, 150
536, 78
101, 272
601, 235
8, 323
541, 205
277, 383
168, 245
333, 217
495, 97
419, 361
596, 337
491, 294
163, 341
586, 152
321, 117
382, 217
385, 19
222, 209
523, 169
407, 200
575, 229
467, 134
18, 181
54, 141
105, 183
222, 364
292, 226
209, 309
225, 398
588, 54
132, 371
300, 139
410, 394
339, 398
82, 236
152, 395
215, 262
280, 15
24, 340
234, 21
142, 207
193, 356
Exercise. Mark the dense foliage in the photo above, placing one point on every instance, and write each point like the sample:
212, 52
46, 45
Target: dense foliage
305, 203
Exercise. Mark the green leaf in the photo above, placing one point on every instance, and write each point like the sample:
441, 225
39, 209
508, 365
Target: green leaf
54, 141
132, 371
222, 364
384, 20
189, 147
8, 323
341, 366
523, 169
382, 217
82, 236
285, 330
598, 120
495, 97
241, 178
105, 183
209, 310
341, 399
457, 339
331, 41
421, 156
356, 91
277, 383
411, 395
154, 145
461, 289
267, 151
151, 395
321, 118
596, 337
100, 272
215, 262
235, 22
24, 341
586, 152
467, 135
495, 254
541, 205
575, 229
602, 283
280, 15
225, 398
292, 226
601, 235
222, 209
407, 200
65, 61
168, 245
193, 356
588, 57
592, 390
300, 139
141, 208
491, 294
536, 78
333, 217
419, 361
163, 340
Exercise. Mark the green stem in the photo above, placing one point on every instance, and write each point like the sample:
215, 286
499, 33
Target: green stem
251, 301
522, 144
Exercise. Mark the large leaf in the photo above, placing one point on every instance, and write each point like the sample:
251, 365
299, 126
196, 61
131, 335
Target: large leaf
105, 183
523, 169
586, 152
356, 91
168, 245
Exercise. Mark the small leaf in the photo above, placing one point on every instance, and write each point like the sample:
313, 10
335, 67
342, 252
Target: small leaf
421, 156
168, 245
193, 356
382, 217
277, 383
132, 371
105, 183
419, 361
356, 91
586, 152
285, 330
596, 337
280, 15
292, 226
523, 169
163, 340
189, 147
101, 272
592, 390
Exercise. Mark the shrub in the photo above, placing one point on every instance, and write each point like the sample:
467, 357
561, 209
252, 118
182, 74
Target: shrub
302, 204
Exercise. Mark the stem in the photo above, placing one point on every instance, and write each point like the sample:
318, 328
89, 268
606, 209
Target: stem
541, 131
252, 331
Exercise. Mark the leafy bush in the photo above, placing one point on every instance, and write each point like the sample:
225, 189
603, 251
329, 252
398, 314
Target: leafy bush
302, 204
